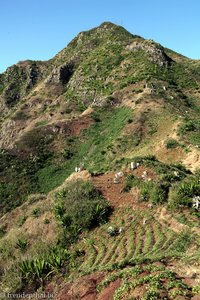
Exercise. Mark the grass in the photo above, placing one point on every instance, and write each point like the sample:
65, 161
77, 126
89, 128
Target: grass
189, 130
92, 149
102, 135
173, 184
42, 170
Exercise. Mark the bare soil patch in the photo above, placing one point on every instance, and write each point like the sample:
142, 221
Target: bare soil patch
113, 192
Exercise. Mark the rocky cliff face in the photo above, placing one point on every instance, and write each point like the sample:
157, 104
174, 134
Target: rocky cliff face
19, 79
155, 52
61, 75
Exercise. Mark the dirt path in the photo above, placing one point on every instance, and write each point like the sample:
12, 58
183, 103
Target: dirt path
113, 192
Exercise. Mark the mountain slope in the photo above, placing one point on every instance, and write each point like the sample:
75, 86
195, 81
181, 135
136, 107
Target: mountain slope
108, 99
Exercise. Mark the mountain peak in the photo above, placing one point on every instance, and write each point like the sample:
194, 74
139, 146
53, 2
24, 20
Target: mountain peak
108, 25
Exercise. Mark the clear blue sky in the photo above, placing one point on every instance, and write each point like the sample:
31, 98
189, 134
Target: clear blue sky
38, 29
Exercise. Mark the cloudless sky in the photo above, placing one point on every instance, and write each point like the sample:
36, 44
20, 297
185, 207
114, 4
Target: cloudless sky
38, 29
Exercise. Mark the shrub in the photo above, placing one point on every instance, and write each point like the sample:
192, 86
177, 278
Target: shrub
20, 115
156, 192
21, 220
46, 221
181, 168
2, 231
159, 193
36, 212
95, 116
182, 193
171, 143
80, 207
131, 181
188, 126
36, 269
67, 154
144, 193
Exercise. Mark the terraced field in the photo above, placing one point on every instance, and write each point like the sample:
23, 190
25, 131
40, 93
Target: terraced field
142, 237
145, 282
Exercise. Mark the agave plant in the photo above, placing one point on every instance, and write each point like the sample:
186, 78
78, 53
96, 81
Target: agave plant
22, 244
26, 268
57, 257
36, 269
189, 188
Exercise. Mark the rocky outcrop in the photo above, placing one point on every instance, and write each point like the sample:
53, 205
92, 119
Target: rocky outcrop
61, 75
155, 52
20, 79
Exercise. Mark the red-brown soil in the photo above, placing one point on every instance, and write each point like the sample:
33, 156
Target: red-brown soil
113, 192
150, 173
83, 288
109, 291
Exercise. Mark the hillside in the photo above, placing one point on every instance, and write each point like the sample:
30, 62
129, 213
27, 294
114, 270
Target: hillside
109, 103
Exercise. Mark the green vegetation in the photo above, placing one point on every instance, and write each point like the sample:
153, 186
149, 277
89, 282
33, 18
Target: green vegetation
189, 130
173, 184
17, 187
182, 194
39, 269
154, 283
36, 212
41, 170
171, 143
138, 243
2, 231
101, 136
80, 207
111, 71
94, 149
156, 191
22, 244
20, 115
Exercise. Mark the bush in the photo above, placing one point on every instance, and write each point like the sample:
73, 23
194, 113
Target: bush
188, 126
156, 192
20, 115
80, 207
130, 182
95, 116
36, 212
159, 193
2, 231
171, 143
181, 194
67, 154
